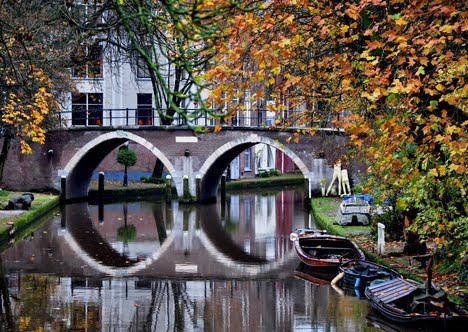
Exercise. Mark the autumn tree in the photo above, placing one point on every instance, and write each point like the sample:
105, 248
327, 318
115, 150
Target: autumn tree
37, 42
392, 72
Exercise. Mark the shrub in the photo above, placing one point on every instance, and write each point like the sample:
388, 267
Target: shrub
393, 225
274, 172
263, 174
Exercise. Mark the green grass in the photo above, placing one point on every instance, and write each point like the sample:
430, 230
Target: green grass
274, 181
117, 185
324, 211
41, 205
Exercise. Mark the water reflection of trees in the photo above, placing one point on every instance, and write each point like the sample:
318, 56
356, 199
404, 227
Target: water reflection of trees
48, 302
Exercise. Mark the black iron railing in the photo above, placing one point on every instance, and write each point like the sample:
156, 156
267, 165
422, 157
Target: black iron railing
150, 117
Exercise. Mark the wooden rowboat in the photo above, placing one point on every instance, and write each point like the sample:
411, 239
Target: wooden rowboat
407, 302
358, 274
320, 250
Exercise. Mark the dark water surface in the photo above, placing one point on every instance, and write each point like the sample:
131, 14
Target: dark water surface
149, 266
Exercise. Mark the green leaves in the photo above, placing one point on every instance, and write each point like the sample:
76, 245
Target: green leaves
126, 157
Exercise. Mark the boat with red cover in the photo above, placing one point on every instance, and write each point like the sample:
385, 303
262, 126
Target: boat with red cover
320, 250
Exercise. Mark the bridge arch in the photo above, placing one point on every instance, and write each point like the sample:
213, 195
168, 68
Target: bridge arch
83, 163
214, 166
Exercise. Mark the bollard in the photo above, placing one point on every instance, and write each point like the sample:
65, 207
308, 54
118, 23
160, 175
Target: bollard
63, 189
223, 189
198, 187
380, 238
168, 189
101, 186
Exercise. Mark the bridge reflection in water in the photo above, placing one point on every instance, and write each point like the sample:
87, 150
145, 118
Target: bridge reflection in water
152, 266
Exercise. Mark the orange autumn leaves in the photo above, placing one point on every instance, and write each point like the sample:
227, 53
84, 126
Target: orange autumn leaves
397, 68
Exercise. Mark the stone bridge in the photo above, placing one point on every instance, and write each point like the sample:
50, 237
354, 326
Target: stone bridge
75, 153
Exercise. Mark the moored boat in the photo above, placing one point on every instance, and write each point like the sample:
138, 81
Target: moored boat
319, 250
407, 302
358, 274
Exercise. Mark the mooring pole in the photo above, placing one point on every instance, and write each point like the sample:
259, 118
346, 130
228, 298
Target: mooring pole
223, 189
63, 189
168, 189
101, 186
198, 187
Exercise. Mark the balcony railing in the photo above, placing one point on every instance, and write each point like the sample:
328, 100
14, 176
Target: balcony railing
149, 117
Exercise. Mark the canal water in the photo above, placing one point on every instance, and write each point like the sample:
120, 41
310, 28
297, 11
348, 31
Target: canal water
152, 266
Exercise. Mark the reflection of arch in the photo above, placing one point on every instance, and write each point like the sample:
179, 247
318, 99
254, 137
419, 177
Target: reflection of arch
216, 163
89, 246
221, 247
81, 237
83, 163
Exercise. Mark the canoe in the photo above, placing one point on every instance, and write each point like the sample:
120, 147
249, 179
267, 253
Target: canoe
319, 250
358, 274
406, 302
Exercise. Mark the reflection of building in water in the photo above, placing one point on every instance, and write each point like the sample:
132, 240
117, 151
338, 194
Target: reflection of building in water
156, 305
130, 228
263, 222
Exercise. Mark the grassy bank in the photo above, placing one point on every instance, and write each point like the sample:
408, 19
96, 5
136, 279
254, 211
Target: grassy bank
274, 181
41, 206
324, 210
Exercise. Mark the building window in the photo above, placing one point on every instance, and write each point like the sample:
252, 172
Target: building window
88, 62
142, 69
144, 109
87, 109
247, 160
270, 160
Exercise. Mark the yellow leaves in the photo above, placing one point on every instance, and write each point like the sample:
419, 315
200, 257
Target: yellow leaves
441, 170
285, 42
217, 128
344, 28
400, 21
439, 87
26, 114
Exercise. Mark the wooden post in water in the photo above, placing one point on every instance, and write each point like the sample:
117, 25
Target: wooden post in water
101, 186
63, 189
380, 238
198, 187
168, 189
101, 211
223, 189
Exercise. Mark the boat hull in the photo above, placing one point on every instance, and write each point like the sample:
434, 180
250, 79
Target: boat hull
438, 322
329, 265
435, 322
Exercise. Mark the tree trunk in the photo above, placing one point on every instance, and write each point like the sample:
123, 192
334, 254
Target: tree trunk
4, 154
125, 179
413, 245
